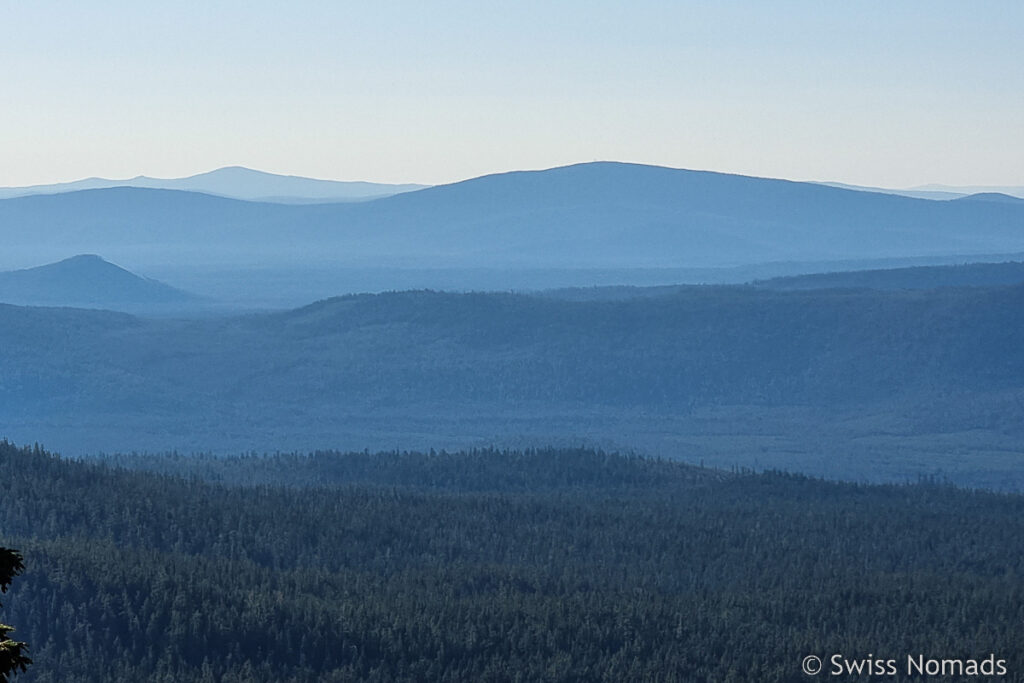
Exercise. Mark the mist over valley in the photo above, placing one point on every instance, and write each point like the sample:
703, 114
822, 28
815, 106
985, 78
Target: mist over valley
606, 420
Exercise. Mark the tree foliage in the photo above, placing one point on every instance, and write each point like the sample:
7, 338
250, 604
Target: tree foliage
12, 652
542, 565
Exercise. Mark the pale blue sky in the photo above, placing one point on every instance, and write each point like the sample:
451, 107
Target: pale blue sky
879, 93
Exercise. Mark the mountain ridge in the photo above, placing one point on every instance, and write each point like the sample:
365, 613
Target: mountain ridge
738, 374
604, 214
88, 281
1000, 197
235, 182
916, 277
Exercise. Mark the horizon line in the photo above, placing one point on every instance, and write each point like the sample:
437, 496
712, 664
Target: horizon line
922, 187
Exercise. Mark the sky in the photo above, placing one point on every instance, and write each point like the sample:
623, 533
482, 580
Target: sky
893, 94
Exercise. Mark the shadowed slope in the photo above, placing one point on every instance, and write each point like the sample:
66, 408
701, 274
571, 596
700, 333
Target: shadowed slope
86, 281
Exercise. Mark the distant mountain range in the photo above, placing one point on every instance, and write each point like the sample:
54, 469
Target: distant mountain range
238, 182
1012, 190
87, 281
590, 215
991, 197
937, 192
235, 182
938, 195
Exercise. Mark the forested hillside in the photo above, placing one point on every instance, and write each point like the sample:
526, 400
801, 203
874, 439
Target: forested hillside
550, 565
796, 373
919, 277
700, 345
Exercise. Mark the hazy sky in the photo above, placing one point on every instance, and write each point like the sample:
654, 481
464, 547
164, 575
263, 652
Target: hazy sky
882, 93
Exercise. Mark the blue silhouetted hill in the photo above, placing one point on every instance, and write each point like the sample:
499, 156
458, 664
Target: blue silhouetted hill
236, 182
87, 281
992, 197
588, 215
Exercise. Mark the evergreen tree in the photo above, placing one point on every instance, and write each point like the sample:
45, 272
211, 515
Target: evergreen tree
12, 653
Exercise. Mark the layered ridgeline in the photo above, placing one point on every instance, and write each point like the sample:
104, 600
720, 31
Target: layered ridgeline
547, 565
851, 383
590, 215
88, 281
945, 192
235, 182
920, 277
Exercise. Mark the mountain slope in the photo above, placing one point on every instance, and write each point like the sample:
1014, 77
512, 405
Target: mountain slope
235, 182
793, 371
917, 194
589, 215
1012, 190
554, 564
86, 281
919, 277
998, 197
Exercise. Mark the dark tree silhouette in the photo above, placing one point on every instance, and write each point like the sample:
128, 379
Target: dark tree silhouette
12, 653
